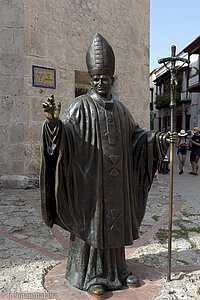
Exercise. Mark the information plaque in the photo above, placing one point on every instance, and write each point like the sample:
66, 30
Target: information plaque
44, 77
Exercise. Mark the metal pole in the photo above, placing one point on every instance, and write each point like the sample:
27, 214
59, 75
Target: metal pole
173, 83
172, 106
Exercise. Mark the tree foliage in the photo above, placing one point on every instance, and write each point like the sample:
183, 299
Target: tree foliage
163, 101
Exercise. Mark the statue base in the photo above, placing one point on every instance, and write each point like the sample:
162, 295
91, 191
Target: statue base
150, 284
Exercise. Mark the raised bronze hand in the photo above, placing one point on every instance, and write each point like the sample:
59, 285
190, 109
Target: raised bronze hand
171, 137
50, 110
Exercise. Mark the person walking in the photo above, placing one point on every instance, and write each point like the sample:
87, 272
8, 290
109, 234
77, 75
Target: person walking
182, 145
195, 153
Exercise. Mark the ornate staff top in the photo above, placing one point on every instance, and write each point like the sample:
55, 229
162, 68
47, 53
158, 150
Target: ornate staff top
173, 59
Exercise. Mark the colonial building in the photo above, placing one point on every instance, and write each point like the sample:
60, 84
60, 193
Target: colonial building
42, 52
187, 111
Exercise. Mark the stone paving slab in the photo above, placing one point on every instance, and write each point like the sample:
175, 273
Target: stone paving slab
150, 284
23, 234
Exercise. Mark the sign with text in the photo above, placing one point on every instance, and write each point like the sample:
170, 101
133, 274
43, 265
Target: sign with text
44, 77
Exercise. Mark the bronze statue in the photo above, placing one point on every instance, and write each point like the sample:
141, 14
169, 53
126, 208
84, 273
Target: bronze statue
97, 168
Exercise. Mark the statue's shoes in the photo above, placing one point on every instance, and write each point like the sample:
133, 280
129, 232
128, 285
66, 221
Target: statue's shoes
132, 281
96, 292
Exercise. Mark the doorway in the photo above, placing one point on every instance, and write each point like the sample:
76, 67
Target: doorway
187, 122
178, 123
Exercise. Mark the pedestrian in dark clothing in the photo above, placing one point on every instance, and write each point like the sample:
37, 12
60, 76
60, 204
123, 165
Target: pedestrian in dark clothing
195, 153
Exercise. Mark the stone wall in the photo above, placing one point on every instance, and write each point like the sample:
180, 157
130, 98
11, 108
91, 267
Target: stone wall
57, 34
11, 87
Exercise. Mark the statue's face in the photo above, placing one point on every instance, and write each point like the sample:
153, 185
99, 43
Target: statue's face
102, 84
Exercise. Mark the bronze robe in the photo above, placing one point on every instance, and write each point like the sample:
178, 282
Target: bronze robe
96, 172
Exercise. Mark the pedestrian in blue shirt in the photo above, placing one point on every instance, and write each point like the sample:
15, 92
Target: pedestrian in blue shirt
182, 145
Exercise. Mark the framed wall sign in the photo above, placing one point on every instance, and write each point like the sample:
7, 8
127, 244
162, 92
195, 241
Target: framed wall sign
43, 77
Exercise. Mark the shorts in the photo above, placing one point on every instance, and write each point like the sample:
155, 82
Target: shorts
194, 157
181, 151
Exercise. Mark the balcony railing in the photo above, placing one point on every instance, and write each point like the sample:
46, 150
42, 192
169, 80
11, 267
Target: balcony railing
194, 83
185, 96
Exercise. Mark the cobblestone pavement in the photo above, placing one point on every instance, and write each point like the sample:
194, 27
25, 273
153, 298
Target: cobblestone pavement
28, 249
